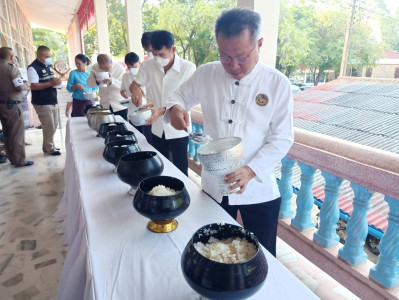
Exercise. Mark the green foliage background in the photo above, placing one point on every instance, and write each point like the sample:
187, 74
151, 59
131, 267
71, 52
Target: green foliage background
54, 40
311, 32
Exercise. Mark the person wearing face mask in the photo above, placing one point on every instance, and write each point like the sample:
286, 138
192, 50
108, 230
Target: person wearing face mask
11, 116
44, 97
132, 62
110, 87
242, 97
161, 76
77, 86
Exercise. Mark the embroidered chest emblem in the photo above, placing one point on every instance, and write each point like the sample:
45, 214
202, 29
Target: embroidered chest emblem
262, 99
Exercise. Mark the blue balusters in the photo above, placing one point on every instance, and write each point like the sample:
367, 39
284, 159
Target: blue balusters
357, 228
285, 187
192, 147
326, 235
386, 271
304, 201
198, 129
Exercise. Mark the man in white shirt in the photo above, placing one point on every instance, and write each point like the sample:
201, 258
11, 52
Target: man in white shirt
161, 76
132, 61
242, 97
110, 87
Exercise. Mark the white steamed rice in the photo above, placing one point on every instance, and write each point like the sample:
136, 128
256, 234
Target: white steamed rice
228, 251
161, 190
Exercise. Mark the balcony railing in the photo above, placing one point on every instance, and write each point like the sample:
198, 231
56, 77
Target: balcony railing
369, 170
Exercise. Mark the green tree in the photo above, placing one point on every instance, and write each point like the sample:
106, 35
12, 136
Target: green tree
117, 27
390, 31
364, 50
293, 42
326, 43
54, 40
191, 22
312, 36
90, 41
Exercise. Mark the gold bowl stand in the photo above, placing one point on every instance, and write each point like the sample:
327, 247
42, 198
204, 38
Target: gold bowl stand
162, 226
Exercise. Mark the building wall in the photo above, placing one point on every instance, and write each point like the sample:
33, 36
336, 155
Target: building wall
15, 31
384, 71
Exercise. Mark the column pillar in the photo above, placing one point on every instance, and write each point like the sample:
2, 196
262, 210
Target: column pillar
74, 38
134, 26
270, 12
100, 11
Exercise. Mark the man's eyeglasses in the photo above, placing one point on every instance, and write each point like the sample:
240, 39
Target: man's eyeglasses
239, 59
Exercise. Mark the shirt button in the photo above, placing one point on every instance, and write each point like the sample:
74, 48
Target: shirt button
233, 101
230, 121
237, 83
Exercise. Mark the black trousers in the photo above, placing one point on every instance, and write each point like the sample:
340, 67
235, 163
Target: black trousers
174, 149
122, 113
145, 130
261, 219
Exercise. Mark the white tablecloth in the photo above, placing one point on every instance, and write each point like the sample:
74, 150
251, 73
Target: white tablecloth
110, 252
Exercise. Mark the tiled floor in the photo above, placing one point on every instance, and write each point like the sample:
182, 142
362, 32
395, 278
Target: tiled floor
31, 251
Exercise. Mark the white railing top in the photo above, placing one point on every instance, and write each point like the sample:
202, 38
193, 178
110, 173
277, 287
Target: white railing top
376, 169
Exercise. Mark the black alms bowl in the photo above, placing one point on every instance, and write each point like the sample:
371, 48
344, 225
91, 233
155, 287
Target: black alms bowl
120, 135
215, 280
135, 167
107, 127
161, 207
113, 151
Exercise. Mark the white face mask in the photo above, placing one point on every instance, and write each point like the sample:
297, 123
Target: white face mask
150, 55
133, 71
162, 62
48, 61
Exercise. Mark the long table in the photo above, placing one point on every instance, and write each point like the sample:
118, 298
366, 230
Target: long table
110, 252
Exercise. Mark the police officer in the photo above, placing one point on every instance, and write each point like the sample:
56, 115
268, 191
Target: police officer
44, 97
11, 116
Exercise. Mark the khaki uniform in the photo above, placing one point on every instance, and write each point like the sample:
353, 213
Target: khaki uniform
11, 115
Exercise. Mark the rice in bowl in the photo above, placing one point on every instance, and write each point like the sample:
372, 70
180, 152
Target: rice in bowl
161, 190
229, 251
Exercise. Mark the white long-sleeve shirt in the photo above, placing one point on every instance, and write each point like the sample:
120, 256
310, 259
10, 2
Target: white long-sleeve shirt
109, 95
160, 86
258, 108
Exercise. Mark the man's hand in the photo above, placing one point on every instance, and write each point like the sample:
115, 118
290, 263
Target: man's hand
124, 94
108, 81
137, 93
79, 87
179, 117
241, 177
150, 102
156, 113
55, 81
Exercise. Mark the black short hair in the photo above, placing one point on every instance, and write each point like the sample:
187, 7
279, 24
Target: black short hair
131, 58
41, 49
5, 52
232, 22
161, 38
146, 39
83, 58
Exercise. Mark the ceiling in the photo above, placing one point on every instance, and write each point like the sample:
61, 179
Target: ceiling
52, 14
